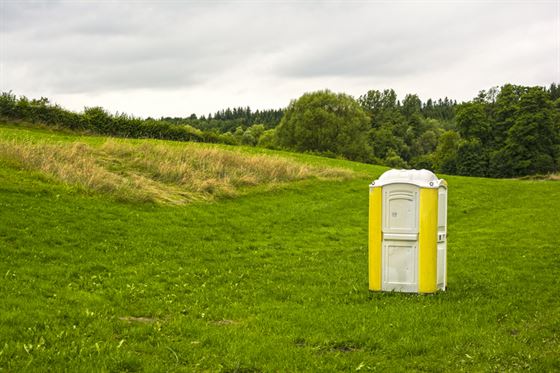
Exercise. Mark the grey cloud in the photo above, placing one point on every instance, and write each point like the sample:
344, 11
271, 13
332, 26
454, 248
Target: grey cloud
356, 59
80, 52
422, 39
73, 47
88, 47
91, 78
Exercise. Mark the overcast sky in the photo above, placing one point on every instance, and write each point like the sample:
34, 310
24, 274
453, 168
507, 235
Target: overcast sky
160, 58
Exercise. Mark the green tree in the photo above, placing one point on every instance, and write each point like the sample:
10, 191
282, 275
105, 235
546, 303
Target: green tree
238, 134
380, 106
248, 139
445, 156
411, 105
473, 122
533, 139
228, 138
324, 122
394, 160
426, 143
472, 158
505, 112
383, 140
268, 139
255, 131
424, 161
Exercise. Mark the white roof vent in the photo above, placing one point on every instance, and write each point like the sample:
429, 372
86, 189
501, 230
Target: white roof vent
421, 178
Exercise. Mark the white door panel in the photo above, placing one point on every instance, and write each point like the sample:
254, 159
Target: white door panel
400, 266
400, 206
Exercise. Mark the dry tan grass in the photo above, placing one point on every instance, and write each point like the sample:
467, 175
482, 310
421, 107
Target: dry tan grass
552, 177
158, 172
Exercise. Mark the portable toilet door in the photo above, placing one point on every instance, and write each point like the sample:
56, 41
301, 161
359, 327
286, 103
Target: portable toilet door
400, 237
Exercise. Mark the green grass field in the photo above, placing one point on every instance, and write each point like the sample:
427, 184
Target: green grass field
270, 279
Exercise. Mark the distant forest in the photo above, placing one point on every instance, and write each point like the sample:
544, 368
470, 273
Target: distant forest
506, 131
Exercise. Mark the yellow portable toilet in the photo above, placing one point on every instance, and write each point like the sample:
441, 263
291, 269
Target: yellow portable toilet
408, 232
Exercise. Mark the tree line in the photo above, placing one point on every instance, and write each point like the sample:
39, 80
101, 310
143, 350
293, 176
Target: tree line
505, 131
97, 120
228, 120
508, 131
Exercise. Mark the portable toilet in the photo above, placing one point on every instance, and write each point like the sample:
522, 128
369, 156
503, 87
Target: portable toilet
408, 232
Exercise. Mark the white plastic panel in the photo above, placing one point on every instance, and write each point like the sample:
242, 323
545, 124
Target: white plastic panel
421, 178
400, 208
442, 239
401, 236
400, 266
441, 265
442, 210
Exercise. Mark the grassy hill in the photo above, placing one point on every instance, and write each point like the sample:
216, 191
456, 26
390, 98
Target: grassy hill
265, 273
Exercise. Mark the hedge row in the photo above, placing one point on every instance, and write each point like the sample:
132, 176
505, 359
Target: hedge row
97, 120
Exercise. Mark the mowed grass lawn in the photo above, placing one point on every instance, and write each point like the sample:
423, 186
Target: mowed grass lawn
274, 279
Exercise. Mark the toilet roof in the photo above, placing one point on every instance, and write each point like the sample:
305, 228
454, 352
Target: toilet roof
421, 178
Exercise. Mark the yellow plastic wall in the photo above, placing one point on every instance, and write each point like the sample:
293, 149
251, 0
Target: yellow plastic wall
427, 247
374, 252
